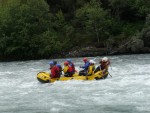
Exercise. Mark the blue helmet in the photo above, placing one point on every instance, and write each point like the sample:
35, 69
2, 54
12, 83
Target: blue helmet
58, 65
51, 63
69, 60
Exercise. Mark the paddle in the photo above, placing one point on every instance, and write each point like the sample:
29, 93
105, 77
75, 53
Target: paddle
109, 74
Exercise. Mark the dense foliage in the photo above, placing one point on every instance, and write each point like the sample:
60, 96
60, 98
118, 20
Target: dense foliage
31, 29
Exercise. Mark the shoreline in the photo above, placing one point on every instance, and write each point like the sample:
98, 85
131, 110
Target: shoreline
70, 56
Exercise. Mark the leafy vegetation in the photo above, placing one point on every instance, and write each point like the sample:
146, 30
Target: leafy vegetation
31, 29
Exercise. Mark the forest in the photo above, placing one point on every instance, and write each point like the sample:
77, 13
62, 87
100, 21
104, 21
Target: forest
36, 29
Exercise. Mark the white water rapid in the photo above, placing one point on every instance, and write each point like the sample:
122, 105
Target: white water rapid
127, 91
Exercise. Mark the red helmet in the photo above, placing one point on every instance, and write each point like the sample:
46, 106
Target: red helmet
66, 63
85, 59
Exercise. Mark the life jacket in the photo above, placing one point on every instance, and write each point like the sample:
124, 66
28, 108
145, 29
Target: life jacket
60, 69
102, 67
70, 70
72, 66
55, 72
67, 69
91, 69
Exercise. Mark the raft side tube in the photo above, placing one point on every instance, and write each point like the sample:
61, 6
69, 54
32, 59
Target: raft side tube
43, 77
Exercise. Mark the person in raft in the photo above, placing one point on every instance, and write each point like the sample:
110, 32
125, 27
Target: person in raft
71, 64
104, 64
85, 67
54, 70
91, 68
59, 67
68, 72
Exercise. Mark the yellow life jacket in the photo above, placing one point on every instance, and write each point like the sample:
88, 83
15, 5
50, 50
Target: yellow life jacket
91, 69
65, 69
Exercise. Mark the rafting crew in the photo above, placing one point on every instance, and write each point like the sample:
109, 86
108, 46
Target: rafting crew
54, 70
88, 68
88, 73
85, 67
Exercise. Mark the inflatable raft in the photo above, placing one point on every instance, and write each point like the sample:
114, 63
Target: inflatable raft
44, 77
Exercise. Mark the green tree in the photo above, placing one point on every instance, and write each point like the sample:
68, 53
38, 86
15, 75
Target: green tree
94, 20
21, 21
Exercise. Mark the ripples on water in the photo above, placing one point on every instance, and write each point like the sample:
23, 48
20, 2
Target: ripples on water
127, 91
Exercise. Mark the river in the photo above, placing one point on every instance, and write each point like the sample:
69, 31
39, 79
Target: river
127, 91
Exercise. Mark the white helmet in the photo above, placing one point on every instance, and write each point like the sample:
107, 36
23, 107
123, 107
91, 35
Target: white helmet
105, 59
92, 62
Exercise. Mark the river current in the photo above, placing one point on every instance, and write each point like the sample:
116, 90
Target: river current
127, 91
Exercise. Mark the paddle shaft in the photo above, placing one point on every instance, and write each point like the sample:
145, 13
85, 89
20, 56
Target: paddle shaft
109, 74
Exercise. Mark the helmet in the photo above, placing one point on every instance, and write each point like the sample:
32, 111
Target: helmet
66, 63
92, 62
58, 65
85, 59
51, 63
69, 60
104, 59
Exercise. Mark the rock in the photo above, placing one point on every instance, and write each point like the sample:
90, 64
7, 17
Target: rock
147, 35
123, 50
137, 45
133, 45
147, 38
145, 50
88, 51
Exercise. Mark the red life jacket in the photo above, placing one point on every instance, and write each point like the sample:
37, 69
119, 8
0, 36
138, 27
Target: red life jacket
73, 67
54, 72
70, 69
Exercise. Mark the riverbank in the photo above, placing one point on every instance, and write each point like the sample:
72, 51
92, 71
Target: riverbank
93, 51
83, 52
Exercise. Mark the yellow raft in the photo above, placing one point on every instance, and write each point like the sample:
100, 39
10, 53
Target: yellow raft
44, 77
